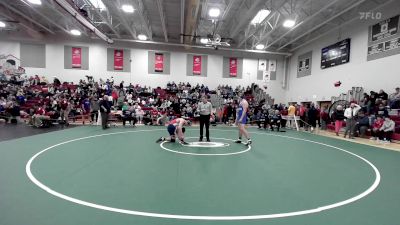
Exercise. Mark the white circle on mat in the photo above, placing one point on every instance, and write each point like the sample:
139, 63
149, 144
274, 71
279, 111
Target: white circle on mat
248, 148
192, 217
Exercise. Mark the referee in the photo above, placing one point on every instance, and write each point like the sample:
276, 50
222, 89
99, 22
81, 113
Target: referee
204, 109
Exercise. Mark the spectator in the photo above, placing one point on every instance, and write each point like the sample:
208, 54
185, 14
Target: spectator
105, 109
338, 117
381, 110
56, 81
387, 129
394, 99
65, 110
376, 126
312, 116
85, 110
94, 109
350, 114
324, 117
275, 120
291, 114
362, 124
382, 97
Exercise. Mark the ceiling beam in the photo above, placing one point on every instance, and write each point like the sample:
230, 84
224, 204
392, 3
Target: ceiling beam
201, 47
191, 18
306, 20
104, 19
226, 12
340, 26
266, 20
50, 20
162, 17
122, 19
247, 17
195, 22
33, 32
11, 8
182, 19
323, 23
82, 20
145, 20
68, 22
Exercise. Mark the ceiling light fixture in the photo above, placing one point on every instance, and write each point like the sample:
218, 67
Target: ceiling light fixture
260, 16
83, 20
260, 47
204, 40
289, 23
2, 24
214, 12
35, 2
128, 8
75, 32
142, 37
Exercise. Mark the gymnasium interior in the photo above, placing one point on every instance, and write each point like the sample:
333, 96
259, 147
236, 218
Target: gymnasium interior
199, 112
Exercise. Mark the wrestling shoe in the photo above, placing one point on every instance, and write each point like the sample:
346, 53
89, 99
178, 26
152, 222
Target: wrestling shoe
160, 139
248, 142
184, 143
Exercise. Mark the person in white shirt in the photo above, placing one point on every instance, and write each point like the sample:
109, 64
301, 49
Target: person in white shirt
350, 114
129, 98
139, 115
386, 130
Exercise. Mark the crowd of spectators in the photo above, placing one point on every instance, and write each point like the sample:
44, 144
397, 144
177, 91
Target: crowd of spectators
371, 115
66, 102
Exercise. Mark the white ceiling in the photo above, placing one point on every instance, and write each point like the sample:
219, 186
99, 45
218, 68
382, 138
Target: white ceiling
166, 20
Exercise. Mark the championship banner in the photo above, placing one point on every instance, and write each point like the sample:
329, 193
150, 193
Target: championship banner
266, 76
118, 59
159, 62
262, 64
197, 64
385, 29
233, 67
272, 65
76, 57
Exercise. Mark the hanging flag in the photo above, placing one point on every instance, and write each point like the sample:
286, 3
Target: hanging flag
272, 65
197, 64
159, 62
233, 67
118, 59
76, 57
262, 64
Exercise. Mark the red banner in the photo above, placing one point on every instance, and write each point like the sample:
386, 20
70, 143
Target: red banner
159, 62
197, 64
76, 57
233, 67
118, 59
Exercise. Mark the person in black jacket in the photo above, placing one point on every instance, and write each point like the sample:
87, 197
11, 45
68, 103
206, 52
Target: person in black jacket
105, 109
362, 124
338, 117
275, 120
312, 116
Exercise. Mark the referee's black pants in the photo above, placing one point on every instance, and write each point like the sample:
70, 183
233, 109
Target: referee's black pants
205, 120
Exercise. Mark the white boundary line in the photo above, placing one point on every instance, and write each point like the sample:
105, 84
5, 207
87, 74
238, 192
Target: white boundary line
190, 217
205, 154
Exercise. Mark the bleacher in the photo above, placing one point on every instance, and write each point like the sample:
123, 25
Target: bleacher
356, 95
